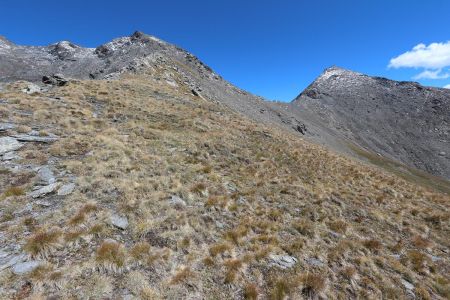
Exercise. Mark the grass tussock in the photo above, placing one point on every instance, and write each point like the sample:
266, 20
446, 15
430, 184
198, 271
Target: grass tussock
111, 255
42, 241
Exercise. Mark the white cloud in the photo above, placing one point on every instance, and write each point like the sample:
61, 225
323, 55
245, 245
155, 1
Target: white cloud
428, 74
447, 86
434, 56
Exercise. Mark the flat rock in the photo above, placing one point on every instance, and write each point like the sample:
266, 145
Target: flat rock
26, 267
8, 259
66, 189
314, 262
8, 144
177, 201
46, 175
35, 138
119, 221
282, 261
10, 156
43, 190
6, 126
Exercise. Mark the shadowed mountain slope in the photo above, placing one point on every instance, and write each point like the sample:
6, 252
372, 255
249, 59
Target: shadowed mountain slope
403, 121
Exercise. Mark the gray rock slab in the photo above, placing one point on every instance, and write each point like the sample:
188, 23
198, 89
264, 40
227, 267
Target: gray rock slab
66, 189
26, 267
35, 138
43, 190
8, 259
8, 144
6, 126
10, 156
282, 261
46, 175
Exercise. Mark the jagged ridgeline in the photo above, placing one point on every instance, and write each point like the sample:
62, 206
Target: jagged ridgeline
134, 171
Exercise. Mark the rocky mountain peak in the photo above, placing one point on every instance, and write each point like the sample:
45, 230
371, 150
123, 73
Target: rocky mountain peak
4, 42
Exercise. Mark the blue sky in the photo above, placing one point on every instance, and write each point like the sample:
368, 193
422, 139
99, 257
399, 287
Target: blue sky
271, 48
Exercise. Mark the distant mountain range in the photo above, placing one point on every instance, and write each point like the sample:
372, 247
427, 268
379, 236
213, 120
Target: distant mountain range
370, 118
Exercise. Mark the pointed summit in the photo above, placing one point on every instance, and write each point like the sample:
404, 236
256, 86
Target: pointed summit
5, 41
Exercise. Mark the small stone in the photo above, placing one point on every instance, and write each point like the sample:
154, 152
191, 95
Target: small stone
119, 221
407, 285
43, 203
26, 267
66, 189
8, 144
219, 225
442, 153
314, 262
435, 258
241, 201
177, 201
43, 190
282, 261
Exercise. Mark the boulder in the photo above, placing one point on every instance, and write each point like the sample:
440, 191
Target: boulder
55, 79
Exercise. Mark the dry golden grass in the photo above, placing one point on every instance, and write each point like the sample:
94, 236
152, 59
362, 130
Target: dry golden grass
251, 191
42, 241
111, 255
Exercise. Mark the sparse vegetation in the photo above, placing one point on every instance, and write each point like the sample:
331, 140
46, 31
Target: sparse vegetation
250, 192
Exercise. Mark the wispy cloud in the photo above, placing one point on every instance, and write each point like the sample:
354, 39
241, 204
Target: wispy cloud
433, 59
447, 86
436, 74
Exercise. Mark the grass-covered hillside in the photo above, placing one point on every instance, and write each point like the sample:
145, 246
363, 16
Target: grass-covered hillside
137, 189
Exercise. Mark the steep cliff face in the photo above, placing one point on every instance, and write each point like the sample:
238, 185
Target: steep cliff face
400, 120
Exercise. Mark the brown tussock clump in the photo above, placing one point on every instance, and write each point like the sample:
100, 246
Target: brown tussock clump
42, 241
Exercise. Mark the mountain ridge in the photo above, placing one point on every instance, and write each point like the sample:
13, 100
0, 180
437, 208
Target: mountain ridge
311, 110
